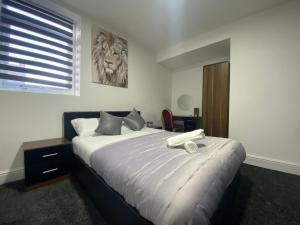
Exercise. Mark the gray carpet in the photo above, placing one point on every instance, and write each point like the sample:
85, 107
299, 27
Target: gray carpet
265, 198
62, 203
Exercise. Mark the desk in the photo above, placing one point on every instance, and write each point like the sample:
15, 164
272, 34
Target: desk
190, 123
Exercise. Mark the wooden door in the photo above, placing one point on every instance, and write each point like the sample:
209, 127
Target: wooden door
215, 103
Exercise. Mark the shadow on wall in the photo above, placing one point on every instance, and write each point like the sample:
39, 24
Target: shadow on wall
15, 171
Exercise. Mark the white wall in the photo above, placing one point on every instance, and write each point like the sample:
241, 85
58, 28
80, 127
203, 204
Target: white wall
264, 86
189, 80
30, 116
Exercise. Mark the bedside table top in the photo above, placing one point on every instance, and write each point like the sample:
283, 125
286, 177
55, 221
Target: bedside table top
31, 145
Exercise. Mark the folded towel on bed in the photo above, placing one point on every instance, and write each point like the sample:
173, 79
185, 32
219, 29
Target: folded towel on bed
190, 147
182, 138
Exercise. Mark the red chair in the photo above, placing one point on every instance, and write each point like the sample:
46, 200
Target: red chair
168, 123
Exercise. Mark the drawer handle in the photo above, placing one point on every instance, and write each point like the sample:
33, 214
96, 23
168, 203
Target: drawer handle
49, 155
49, 171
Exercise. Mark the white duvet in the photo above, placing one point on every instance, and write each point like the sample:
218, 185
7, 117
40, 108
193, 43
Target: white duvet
167, 186
85, 146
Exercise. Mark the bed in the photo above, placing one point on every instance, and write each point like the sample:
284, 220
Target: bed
137, 180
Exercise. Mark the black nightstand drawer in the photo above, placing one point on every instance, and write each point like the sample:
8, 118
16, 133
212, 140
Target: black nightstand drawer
40, 173
46, 159
189, 121
46, 155
189, 125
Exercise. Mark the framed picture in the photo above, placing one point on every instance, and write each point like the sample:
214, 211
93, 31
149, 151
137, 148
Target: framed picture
109, 58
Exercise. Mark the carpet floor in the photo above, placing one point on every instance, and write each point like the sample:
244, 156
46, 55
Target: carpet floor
265, 197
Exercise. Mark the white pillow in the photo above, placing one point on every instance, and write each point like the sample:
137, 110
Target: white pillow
125, 130
85, 127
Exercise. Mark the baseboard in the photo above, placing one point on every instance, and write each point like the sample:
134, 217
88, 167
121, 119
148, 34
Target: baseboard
273, 164
11, 175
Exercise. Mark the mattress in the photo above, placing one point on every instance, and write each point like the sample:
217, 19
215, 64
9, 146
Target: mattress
85, 146
167, 186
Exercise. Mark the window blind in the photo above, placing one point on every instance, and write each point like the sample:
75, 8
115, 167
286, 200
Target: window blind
36, 45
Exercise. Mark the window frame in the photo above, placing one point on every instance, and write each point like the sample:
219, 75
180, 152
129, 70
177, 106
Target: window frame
8, 85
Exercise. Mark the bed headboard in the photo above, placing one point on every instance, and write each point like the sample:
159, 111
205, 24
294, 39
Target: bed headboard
69, 131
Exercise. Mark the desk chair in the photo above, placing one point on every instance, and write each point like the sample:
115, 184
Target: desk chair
168, 122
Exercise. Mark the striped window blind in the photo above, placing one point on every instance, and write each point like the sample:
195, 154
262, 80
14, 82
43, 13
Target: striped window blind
36, 46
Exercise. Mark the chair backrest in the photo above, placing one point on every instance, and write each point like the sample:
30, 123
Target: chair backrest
167, 119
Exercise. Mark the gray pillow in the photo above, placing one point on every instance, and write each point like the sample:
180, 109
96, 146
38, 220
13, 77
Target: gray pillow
109, 124
134, 121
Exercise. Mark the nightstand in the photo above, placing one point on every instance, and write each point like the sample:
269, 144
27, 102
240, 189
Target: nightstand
46, 161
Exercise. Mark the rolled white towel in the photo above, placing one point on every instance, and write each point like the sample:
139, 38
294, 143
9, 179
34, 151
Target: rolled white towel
190, 147
182, 138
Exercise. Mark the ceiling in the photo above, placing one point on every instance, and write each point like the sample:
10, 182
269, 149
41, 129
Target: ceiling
160, 24
215, 51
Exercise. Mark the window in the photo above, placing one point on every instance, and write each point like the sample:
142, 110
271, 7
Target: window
38, 49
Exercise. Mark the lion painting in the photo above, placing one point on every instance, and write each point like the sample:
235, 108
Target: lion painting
109, 56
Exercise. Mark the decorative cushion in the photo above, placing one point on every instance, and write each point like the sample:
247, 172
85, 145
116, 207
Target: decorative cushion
134, 121
110, 125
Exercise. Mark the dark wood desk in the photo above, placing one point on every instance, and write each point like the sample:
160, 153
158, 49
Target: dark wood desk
190, 123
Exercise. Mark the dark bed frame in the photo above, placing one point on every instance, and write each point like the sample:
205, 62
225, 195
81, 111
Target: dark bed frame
111, 204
